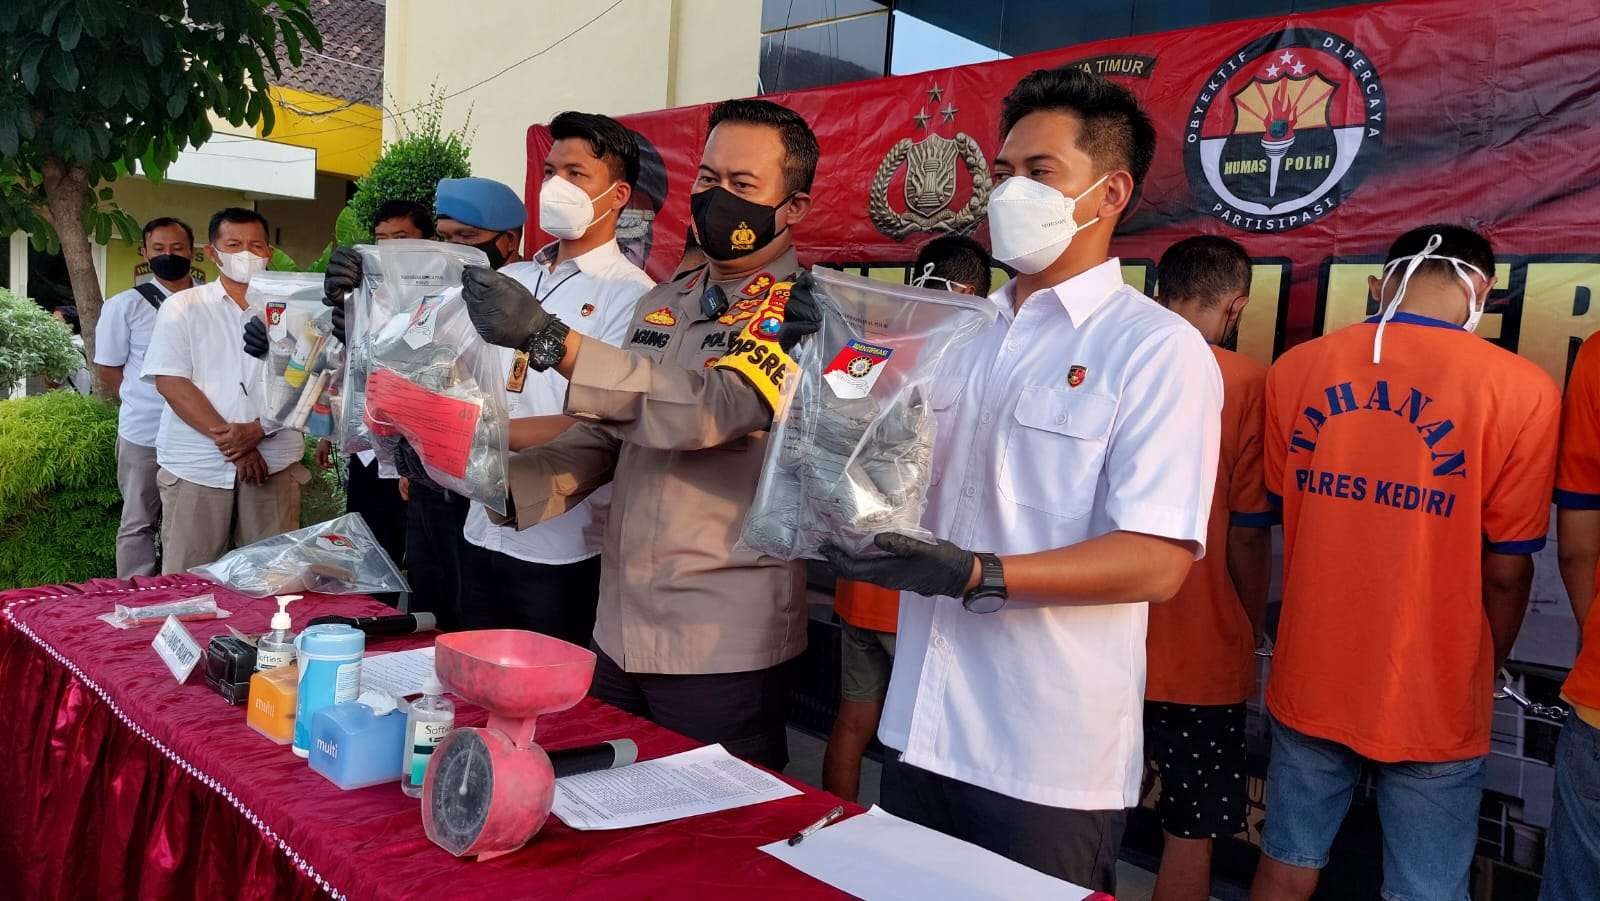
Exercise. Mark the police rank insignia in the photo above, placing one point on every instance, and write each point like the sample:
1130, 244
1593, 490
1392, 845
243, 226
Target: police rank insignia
743, 237
663, 316
587, 310
758, 285
1075, 375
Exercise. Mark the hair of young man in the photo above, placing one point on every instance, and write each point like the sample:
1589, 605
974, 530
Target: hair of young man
69, 315
959, 259
1457, 241
238, 215
163, 222
609, 140
800, 150
418, 213
1116, 132
1205, 269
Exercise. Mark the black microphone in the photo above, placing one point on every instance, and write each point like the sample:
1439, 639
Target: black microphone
713, 301
392, 624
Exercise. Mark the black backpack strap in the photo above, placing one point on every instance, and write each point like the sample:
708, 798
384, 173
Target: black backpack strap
151, 293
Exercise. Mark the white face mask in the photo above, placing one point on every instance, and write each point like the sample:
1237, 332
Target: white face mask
1031, 224
241, 266
1475, 306
565, 210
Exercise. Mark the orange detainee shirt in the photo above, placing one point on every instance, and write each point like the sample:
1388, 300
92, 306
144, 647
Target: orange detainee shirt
1578, 488
1201, 648
1395, 478
867, 606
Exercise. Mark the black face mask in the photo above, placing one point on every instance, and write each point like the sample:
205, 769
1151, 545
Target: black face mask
169, 266
491, 249
729, 226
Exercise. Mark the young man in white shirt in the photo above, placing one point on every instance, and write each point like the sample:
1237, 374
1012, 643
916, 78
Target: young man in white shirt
547, 577
222, 476
1077, 453
120, 340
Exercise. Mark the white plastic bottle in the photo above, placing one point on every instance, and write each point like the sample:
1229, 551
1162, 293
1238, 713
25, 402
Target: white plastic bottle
429, 719
276, 648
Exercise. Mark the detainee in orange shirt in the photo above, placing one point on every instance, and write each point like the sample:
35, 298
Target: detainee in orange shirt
1572, 850
1201, 644
1414, 463
871, 614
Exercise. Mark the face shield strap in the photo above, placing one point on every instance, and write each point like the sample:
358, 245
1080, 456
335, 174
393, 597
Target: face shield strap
1413, 262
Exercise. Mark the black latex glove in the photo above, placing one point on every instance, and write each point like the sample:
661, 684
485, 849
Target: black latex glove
338, 324
800, 315
341, 277
409, 465
255, 338
502, 310
931, 570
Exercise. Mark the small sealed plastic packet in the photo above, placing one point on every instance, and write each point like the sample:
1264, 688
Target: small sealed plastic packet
340, 556
850, 453
189, 609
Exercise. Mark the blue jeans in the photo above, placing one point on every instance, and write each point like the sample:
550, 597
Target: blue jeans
1429, 813
1572, 852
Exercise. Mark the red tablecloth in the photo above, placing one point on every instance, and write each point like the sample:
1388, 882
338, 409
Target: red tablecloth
116, 782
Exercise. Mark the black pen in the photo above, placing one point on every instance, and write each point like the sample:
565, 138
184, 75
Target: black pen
827, 818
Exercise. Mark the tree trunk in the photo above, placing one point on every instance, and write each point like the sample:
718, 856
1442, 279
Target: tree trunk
66, 191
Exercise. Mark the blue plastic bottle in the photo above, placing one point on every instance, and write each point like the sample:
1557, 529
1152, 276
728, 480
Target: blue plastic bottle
330, 672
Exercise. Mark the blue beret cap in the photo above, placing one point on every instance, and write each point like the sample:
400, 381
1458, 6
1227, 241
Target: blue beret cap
480, 203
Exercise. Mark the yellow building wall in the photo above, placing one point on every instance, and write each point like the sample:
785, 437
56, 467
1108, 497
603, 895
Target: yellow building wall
643, 55
347, 136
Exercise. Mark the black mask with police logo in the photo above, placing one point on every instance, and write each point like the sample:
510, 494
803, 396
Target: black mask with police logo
169, 266
729, 226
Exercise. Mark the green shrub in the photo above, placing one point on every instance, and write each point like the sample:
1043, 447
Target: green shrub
409, 169
32, 343
59, 503
323, 497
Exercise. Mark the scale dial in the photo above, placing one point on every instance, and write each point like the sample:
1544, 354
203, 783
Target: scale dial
460, 787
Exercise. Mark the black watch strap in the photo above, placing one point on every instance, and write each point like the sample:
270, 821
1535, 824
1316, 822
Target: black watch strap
990, 594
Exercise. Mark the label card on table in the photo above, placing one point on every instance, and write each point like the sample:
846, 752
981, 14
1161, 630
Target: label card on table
177, 649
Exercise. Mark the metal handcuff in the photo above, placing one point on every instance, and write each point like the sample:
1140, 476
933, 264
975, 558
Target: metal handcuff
1553, 713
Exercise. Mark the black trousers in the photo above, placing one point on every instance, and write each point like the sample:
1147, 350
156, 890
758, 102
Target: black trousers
744, 712
499, 591
434, 520
380, 504
1080, 846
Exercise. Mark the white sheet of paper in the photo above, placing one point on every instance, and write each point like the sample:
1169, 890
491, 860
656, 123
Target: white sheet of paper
401, 673
704, 780
879, 856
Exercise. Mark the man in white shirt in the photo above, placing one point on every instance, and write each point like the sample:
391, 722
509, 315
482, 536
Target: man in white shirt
547, 577
222, 476
120, 341
1077, 451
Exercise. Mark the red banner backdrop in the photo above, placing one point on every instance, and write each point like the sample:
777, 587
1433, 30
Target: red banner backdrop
1312, 139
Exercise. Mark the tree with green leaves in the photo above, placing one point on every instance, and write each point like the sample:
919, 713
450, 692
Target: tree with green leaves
92, 90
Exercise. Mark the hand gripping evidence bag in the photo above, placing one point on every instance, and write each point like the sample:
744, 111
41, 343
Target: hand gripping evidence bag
432, 380
302, 368
851, 450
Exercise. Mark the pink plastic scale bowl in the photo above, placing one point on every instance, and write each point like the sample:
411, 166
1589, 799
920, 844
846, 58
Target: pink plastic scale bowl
488, 791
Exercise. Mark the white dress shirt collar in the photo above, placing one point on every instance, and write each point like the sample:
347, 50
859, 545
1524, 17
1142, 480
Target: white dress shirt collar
1081, 295
593, 262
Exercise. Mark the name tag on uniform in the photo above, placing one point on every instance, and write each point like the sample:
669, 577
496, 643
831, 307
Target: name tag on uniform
177, 649
519, 372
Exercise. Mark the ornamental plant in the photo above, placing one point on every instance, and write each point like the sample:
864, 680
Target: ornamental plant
32, 343
409, 169
59, 502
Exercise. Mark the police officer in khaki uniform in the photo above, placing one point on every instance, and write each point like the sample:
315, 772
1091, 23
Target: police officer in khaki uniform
692, 633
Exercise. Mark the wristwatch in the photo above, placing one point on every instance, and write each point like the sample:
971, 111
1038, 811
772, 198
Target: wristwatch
547, 346
990, 594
